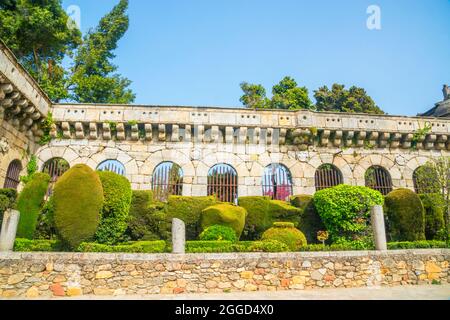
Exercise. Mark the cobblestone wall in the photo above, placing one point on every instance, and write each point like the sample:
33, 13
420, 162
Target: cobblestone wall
73, 274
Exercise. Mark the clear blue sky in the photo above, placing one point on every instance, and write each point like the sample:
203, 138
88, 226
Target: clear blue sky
180, 52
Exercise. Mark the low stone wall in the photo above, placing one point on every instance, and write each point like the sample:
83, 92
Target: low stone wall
74, 274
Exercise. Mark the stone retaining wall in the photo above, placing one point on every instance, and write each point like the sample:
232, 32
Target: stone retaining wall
74, 274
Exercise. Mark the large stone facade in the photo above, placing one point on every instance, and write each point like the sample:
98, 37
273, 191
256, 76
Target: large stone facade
73, 274
197, 138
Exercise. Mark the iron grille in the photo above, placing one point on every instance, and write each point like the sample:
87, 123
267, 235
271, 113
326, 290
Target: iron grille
223, 183
112, 166
55, 168
12, 179
378, 179
277, 182
167, 180
327, 176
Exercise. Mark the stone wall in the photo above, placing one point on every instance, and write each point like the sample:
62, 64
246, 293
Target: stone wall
73, 274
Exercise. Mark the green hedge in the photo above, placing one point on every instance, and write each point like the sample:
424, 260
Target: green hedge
130, 247
189, 210
147, 219
424, 244
29, 204
224, 214
209, 246
286, 233
406, 216
310, 222
345, 210
116, 205
434, 205
78, 199
27, 245
218, 233
262, 212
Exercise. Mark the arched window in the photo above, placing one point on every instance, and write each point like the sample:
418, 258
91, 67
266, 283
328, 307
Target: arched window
113, 166
167, 180
327, 176
277, 182
378, 179
55, 168
425, 180
12, 179
223, 183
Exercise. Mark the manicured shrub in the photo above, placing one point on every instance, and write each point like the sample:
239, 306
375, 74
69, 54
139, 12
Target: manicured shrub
423, 244
434, 205
263, 212
78, 199
116, 205
406, 216
310, 222
268, 246
226, 215
130, 247
345, 210
189, 210
46, 222
29, 204
218, 233
147, 219
285, 232
209, 246
27, 245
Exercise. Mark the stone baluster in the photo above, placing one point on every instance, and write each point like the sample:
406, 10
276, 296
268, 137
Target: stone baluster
269, 136
337, 138
383, 139
242, 139
65, 126
93, 131
187, 133
162, 132
175, 133
135, 132
148, 131
348, 136
6, 88
405, 140
120, 132
214, 134
360, 138
229, 135
106, 131
429, 141
440, 142
79, 130
373, 138
256, 135
282, 137
324, 137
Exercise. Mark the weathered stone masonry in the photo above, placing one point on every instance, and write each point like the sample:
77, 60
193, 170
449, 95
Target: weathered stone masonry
197, 138
74, 274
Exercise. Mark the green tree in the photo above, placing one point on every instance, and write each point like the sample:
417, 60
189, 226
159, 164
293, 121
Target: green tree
37, 32
287, 95
94, 79
338, 99
254, 96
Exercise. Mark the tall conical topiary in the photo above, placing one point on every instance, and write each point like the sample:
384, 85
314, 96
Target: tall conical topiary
78, 200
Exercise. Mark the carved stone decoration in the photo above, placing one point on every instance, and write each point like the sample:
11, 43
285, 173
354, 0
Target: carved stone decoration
400, 160
4, 145
302, 156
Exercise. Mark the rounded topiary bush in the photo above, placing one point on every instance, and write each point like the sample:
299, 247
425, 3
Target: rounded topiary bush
77, 200
434, 205
286, 233
310, 222
345, 210
116, 205
29, 204
226, 215
406, 216
218, 233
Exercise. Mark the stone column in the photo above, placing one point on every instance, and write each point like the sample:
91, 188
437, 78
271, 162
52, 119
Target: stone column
379, 231
178, 236
9, 229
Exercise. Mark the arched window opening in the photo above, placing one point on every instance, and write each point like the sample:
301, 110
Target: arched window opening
12, 179
55, 168
425, 180
112, 166
327, 176
167, 180
378, 179
277, 182
223, 183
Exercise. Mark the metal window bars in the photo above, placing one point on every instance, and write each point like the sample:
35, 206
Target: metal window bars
167, 180
277, 182
12, 179
378, 179
55, 168
327, 176
223, 183
112, 166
